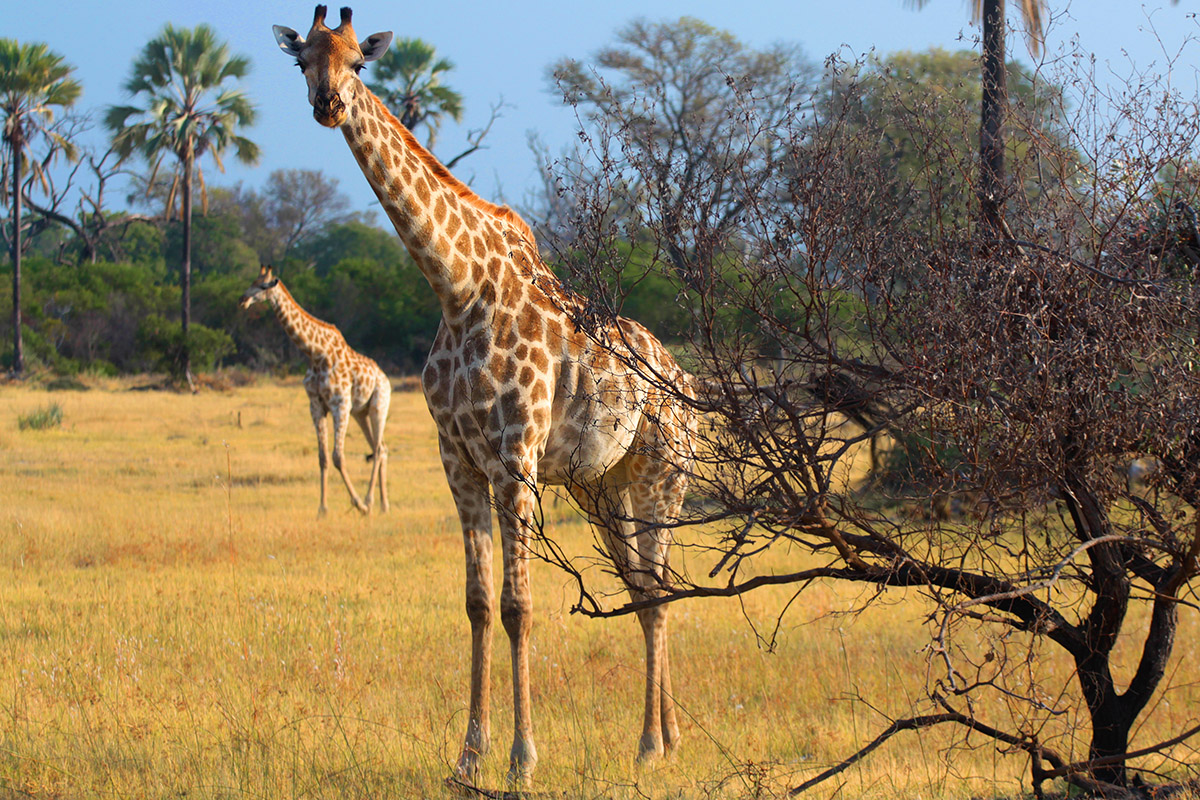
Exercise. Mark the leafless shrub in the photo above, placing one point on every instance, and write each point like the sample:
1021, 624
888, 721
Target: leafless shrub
819, 306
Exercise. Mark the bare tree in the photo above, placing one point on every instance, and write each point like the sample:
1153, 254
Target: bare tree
298, 202
687, 103
75, 198
1018, 383
292, 207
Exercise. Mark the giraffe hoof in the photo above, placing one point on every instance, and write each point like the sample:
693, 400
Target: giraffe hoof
522, 760
519, 778
465, 780
321, 512
649, 750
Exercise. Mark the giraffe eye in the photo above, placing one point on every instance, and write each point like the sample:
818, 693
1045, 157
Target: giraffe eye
300, 64
358, 68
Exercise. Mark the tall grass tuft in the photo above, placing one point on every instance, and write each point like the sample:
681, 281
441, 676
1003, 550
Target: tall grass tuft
48, 416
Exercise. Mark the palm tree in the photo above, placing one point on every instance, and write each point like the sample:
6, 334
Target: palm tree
409, 81
188, 112
32, 80
995, 99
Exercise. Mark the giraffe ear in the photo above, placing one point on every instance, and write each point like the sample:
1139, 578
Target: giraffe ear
375, 45
289, 41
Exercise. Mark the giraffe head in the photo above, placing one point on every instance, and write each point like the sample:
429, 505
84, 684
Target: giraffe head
261, 290
331, 59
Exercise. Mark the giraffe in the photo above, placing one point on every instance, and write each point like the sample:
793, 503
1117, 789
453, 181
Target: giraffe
520, 395
340, 383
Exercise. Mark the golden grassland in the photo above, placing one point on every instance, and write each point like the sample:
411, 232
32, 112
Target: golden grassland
176, 622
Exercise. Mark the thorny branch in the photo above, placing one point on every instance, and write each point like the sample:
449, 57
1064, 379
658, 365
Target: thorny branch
840, 294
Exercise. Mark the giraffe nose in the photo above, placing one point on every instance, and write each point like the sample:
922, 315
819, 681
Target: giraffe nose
328, 106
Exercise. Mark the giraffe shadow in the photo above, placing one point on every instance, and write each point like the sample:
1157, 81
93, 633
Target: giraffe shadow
467, 790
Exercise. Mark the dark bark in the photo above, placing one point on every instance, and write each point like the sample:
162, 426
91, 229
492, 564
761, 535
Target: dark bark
991, 123
1113, 714
185, 269
87, 241
18, 351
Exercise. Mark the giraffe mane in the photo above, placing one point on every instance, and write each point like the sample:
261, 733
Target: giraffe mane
304, 313
463, 191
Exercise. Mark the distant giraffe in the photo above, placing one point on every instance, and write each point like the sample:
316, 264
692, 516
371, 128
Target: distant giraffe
519, 393
339, 382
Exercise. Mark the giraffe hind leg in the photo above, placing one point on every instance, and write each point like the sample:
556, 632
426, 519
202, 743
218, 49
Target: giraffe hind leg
365, 423
608, 506
658, 502
373, 427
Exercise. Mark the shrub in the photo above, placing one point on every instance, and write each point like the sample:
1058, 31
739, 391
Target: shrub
161, 343
49, 416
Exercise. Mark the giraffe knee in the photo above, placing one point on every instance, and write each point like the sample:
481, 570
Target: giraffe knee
337, 460
516, 615
479, 610
652, 618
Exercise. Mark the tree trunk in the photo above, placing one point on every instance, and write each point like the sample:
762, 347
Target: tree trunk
18, 366
1111, 720
1113, 715
991, 122
185, 271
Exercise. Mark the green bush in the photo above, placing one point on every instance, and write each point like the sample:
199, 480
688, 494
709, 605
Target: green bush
160, 342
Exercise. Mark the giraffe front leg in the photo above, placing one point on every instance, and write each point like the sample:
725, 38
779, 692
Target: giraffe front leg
341, 416
516, 501
318, 415
477, 544
470, 491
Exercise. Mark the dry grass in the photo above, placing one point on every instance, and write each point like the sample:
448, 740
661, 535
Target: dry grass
175, 621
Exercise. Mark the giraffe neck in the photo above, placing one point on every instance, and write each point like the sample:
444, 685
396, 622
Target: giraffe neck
313, 337
457, 239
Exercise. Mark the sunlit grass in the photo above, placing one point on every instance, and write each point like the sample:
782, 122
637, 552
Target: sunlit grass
176, 621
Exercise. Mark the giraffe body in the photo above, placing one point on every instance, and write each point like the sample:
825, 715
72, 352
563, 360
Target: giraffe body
340, 383
520, 394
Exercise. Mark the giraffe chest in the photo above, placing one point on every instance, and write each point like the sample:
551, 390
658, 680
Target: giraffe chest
543, 408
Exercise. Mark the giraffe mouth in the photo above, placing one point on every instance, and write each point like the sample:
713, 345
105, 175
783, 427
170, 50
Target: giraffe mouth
330, 120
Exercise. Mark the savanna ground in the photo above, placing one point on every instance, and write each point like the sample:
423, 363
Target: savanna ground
175, 621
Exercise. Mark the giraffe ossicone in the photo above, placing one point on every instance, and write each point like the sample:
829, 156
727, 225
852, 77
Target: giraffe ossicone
340, 383
520, 394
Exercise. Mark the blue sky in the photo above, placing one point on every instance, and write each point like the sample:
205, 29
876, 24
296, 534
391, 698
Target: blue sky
501, 50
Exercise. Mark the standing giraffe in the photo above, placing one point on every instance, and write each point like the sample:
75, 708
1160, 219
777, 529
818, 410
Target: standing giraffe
340, 383
519, 394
